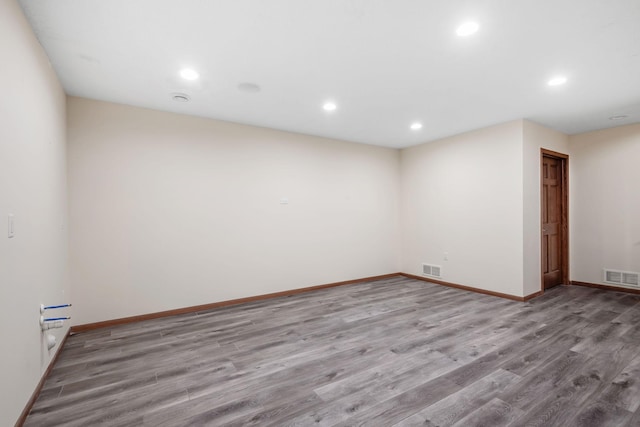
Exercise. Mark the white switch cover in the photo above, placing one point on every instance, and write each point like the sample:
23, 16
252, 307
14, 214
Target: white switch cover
11, 231
284, 201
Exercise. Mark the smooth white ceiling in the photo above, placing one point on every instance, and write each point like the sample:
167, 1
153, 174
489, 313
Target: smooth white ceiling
385, 63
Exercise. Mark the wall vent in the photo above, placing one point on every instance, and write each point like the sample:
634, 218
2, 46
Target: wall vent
624, 278
431, 270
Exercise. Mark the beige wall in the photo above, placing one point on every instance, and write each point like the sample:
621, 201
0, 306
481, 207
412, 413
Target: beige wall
170, 211
33, 264
463, 196
604, 202
159, 199
535, 137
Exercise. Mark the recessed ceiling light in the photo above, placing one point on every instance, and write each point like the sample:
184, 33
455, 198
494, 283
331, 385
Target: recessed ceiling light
329, 106
180, 97
467, 29
416, 126
249, 87
189, 74
620, 117
557, 81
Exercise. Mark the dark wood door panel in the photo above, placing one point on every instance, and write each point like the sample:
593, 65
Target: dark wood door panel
553, 221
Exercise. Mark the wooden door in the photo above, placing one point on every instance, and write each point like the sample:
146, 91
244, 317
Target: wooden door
554, 221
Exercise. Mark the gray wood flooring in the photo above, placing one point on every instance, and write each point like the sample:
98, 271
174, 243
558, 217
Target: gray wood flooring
395, 352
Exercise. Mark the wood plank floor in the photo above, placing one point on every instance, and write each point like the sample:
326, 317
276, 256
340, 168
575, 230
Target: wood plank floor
396, 352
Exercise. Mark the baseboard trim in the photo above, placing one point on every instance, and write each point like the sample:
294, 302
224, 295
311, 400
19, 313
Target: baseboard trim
472, 289
532, 296
203, 307
196, 308
38, 389
607, 287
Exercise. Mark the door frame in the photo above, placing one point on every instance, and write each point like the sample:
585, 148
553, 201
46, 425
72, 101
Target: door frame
564, 218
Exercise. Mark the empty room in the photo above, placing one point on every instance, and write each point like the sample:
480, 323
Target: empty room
334, 213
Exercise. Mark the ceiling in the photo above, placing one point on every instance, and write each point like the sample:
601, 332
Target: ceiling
385, 63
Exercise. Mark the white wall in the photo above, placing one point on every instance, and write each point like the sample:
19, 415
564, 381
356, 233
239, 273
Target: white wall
463, 195
605, 202
33, 264
169, 211
535, 137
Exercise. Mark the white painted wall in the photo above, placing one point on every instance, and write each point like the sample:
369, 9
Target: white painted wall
463, 195
170, 211
33, 264
605, 202
535, 137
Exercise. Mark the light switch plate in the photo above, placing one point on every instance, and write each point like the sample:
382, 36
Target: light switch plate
11, 231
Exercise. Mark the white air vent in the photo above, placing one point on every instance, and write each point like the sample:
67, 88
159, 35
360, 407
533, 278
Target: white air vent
624, 278
431, 270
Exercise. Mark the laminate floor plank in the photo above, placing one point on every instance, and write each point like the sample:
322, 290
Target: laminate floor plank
530, 361
599, 414
330, 413
602, 339
389, 352
456, 406
124, 408
388, 375
575, 396
597, 375
631, 316
624, 390
494, 413
279, 412
404, 404
558, 371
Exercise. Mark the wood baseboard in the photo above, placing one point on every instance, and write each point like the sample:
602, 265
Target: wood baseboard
606, 287
533, 295
203, 307
472, 289
36, 392
196, 308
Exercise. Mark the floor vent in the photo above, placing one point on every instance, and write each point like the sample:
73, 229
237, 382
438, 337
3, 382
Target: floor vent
431, 270
625, 278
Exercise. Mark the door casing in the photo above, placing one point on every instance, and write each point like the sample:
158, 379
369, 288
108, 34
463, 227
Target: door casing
564, 221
